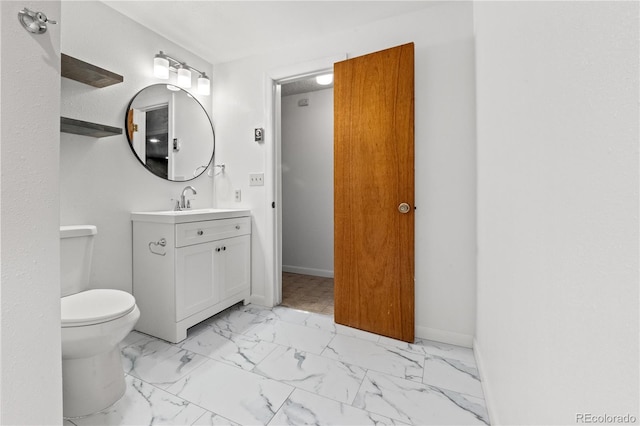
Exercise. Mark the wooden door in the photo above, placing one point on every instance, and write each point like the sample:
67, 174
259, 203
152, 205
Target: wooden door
373, 176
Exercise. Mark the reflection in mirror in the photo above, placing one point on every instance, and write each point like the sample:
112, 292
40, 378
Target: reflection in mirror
170, 132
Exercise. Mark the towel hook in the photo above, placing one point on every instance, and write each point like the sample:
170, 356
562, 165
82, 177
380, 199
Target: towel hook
34, 22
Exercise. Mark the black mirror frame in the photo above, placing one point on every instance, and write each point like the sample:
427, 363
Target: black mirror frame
127, 131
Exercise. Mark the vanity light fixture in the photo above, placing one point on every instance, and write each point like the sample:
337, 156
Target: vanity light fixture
204, 85
324, 79
161, 66
184, 76
163, 63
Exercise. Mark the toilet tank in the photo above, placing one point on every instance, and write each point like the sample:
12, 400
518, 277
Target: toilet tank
76, 250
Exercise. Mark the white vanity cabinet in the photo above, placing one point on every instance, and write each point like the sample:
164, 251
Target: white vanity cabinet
186, 271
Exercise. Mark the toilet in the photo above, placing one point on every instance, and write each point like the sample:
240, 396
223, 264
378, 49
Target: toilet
94, 322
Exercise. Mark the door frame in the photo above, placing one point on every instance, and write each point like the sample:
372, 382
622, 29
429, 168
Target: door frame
273, 167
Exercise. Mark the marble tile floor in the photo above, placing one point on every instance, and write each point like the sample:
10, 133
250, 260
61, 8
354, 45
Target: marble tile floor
251, 365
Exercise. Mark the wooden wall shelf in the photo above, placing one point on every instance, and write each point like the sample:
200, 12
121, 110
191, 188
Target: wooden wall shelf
85, 128
84, 72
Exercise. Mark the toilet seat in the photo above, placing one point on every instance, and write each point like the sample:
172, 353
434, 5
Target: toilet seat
95, 306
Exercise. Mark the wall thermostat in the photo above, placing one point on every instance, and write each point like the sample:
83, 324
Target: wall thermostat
258, 134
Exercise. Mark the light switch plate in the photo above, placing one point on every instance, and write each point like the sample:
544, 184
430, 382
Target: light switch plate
256, 179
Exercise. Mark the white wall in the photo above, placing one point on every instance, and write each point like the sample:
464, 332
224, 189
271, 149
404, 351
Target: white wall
193, 135
30, 357
101, 181
445, 152
557, 327
307, 184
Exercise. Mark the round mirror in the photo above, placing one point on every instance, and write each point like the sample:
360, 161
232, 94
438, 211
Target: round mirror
170, 132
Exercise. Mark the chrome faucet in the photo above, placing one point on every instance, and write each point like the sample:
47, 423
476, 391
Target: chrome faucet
184, 203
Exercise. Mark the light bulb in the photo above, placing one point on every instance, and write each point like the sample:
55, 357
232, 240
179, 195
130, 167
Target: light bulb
204, 85
324, 79
161, 66
184, 77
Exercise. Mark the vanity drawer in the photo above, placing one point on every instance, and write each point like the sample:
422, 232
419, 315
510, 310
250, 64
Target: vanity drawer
210, 230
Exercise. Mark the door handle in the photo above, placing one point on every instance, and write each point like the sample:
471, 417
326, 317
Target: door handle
404, 208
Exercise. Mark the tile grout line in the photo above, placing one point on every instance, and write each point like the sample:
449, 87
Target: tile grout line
266, 316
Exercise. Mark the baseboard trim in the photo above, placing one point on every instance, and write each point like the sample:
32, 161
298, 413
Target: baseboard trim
443, 336
307, 271
484, 381
259, 300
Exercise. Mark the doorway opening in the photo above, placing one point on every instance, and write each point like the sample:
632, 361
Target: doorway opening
306, 176
274, 81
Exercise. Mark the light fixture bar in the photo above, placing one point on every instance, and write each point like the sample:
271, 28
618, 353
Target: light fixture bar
163, 63
174, 63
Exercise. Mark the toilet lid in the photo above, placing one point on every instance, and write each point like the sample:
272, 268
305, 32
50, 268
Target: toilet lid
95, 306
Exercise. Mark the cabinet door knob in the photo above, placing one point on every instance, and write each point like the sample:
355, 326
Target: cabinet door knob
217, 248
237, 226
200, 232
224, 248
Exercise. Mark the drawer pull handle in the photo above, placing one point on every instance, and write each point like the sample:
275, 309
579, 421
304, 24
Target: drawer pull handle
237, 226
200, 232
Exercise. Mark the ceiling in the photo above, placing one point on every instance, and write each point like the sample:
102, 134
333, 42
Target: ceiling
223, 31
303, 86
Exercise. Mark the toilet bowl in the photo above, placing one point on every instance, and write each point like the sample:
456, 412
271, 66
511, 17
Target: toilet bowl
94, 322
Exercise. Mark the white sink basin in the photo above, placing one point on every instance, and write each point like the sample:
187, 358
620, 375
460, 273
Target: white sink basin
190, 215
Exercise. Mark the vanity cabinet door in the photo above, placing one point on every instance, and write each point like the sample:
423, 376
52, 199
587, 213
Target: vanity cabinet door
235, 265
196, 269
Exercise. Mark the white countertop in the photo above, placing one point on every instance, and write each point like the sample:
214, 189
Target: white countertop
190, 215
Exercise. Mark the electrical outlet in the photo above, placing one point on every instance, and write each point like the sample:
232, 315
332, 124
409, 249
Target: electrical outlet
238, 195
256, 179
